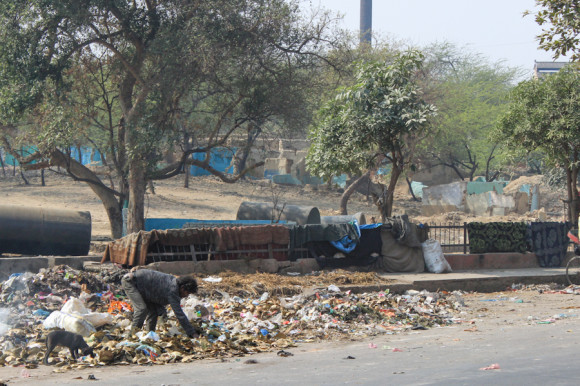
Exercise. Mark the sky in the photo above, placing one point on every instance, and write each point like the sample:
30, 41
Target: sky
495, 29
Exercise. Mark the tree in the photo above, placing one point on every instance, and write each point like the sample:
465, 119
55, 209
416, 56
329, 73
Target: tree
544, 115
470, 94
372, 123
563, 20
135, 76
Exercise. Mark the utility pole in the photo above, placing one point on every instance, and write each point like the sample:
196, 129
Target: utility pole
366, 21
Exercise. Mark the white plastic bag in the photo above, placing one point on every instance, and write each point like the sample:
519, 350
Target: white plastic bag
75, 307
68, 322
434, 258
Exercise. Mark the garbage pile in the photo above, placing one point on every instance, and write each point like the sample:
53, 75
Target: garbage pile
235, 315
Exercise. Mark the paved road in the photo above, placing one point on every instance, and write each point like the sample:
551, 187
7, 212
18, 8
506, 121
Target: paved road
527, 353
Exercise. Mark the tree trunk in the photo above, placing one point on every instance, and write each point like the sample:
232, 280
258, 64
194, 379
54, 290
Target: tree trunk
111, 200
573, 199
186, 179
187, 145
384, 201
23, 177
350, 190
411, 189
239, 162
137, 185
2, 165
42, 181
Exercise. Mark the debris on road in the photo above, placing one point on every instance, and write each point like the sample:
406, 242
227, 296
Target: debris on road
235, 316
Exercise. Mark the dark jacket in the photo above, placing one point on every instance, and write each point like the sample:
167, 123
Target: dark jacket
161, 289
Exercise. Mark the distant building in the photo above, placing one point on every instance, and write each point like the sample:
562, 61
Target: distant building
546, 68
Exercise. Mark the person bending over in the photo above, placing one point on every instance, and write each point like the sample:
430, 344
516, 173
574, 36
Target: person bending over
151, 291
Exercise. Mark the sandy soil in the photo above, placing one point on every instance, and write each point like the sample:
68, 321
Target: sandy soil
208, 198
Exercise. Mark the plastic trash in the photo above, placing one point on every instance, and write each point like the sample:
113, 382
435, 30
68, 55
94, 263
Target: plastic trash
149, 335
434, 258
212, 279
76, 307
333, 288
18, 282
42, 313
68, 322
493, 366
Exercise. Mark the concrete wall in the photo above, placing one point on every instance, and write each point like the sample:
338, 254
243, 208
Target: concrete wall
444, 198
489, 204
10, 265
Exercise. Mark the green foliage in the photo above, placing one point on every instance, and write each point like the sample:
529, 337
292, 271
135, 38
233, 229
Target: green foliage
471, 94
134, 78
562, 21
371, 120
545, 115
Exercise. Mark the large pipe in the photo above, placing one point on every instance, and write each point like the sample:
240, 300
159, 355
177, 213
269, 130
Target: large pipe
301, 215
366, 21
41, 231
359, 217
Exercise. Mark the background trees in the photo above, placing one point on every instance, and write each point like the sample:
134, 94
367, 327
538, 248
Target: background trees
372, 123
562, 19
470, 94
544, 115
143, 79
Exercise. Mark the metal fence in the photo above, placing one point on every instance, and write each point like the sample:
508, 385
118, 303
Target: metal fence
452, 237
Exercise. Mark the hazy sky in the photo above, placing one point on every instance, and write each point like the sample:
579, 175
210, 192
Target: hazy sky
493, 28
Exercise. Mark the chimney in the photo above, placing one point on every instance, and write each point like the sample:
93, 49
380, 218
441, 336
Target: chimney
366, 21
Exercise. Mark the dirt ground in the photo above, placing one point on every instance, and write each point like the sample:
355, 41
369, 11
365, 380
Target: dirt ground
208, 198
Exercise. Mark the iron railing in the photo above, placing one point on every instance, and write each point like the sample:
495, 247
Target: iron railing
452, 237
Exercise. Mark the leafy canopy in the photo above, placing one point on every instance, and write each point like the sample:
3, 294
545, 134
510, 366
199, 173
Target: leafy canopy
562, 18
371, 120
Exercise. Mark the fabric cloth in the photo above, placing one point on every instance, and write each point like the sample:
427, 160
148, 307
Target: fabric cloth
403, 230
497, 237
149, 292
549, 241
302, 234
365, 251
132, 249
398, 257
232, 238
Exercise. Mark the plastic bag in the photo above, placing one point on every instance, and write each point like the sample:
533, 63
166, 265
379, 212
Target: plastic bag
75, 307
434, 258
68, 322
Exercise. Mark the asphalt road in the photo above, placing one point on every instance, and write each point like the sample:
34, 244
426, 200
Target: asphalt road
527, 353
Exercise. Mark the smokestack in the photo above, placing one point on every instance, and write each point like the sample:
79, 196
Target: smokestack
366, 21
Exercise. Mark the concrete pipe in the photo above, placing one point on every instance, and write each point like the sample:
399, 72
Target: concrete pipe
359, 217
301, 215
41, 231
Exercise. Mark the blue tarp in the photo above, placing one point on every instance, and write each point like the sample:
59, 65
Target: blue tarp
86, 156
25, 151
346, 244
220, 159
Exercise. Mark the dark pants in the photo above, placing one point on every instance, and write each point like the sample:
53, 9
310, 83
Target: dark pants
141, 309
